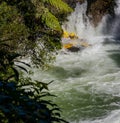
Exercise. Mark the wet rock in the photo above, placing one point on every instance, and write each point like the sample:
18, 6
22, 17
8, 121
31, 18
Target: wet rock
72, 3
96, 9
74, 49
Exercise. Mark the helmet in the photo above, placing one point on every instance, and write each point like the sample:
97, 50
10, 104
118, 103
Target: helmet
72, 34
65, 34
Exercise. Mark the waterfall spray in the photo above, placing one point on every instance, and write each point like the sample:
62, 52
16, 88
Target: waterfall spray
112, 23
116, 23
87, 83
79, 23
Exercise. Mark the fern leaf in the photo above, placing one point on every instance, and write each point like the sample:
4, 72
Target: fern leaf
50, 20
60, 5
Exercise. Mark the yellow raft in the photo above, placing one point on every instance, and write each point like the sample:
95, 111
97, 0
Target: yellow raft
67, 46
73, 43
71, 35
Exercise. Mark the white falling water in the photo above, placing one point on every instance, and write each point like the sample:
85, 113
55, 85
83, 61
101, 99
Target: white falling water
116, 24
87, 83
117, 9
113, 24
80, 25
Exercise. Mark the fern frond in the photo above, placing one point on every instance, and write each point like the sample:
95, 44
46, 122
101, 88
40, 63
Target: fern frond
60, 5
50, 20
46, 16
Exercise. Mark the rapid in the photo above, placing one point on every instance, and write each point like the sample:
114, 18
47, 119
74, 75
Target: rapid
87, 83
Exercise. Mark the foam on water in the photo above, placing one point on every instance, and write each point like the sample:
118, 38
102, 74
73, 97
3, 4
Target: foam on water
87, 83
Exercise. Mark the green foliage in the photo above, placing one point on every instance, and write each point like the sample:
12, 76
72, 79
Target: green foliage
27, 28
12, 29
22, 100
62, 6
44, 49
50, 20
17, 104
22, 23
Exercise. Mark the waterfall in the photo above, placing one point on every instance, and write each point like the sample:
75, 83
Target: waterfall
113, 23
87, 83
79, 23
116, 27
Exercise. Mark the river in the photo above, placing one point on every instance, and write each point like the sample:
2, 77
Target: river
87, 83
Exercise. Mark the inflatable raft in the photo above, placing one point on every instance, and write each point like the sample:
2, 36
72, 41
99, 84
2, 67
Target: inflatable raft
72, 43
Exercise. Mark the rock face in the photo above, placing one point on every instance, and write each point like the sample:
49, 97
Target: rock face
72, 3
96, 9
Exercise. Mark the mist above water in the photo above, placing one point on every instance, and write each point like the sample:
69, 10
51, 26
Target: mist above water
112, 23
80, 25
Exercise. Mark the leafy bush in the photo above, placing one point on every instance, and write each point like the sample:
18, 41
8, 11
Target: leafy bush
21, 100
31, 27
18, 105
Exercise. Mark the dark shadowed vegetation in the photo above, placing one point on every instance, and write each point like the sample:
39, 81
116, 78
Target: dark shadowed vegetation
28, 29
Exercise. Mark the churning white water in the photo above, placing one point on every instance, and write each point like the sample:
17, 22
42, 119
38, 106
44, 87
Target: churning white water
87, 83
